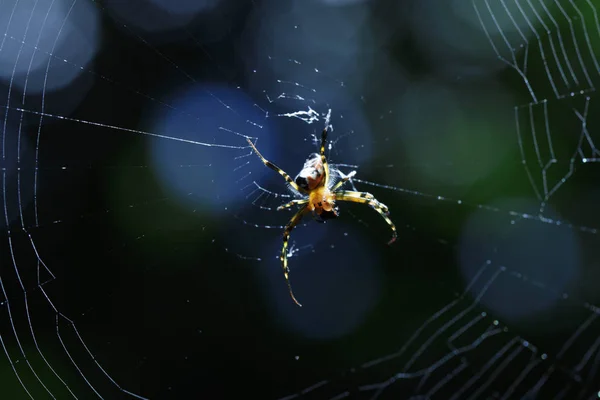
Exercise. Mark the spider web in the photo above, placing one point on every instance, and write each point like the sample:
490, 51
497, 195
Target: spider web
140, 233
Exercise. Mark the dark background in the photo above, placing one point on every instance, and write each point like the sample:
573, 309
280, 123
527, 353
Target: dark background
129, 274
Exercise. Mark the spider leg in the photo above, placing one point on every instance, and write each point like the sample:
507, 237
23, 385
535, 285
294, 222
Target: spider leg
368, 198
283, 257
323, 157
297, 202
345, 179
275, 168
363, 196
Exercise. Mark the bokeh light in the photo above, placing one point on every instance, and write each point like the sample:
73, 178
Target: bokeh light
529, 251
335, 275
194, 174
43, 41
454, 136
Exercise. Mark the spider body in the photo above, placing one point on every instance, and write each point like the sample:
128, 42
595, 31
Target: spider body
319, 195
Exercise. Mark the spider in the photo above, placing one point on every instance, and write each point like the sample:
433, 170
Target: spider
319, 195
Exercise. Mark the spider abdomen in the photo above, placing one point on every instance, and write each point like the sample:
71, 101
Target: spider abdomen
312, 172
